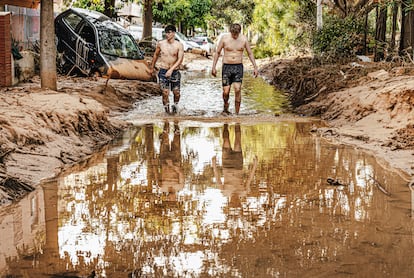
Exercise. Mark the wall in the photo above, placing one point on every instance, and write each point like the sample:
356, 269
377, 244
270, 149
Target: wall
6, 77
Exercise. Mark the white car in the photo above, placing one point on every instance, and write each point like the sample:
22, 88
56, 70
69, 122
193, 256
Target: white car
188, 44
136, 32
158, 34
205, 43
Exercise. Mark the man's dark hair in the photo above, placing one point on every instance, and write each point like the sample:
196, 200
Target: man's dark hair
170, 28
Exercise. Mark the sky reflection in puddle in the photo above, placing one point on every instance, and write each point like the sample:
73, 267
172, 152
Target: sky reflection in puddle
189, 199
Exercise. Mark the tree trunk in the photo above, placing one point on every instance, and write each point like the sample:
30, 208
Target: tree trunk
319, 22
48, 75
147, 17
407, 28
365, 50
393, 25
380, 31
110, 8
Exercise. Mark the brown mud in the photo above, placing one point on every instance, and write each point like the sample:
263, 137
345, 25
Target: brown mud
366, 104
44, 131
369, 105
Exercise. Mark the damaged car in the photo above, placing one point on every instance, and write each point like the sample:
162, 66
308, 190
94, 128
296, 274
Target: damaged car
91, 43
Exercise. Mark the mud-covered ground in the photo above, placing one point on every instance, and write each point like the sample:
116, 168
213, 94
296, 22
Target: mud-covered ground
369, 105
43, 131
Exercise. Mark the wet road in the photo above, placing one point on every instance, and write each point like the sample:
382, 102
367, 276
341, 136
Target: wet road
201, 97
201, 195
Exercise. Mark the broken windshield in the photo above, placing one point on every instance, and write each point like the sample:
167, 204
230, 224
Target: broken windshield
114, 43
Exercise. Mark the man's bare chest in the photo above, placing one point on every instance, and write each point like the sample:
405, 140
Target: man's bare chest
169, 50
234, 46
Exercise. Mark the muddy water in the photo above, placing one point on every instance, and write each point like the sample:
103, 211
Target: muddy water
201, 96
241, 196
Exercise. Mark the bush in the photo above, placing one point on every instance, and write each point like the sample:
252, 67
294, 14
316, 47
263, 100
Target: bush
339, 37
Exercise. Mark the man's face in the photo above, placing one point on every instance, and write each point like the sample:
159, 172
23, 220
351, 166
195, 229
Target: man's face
235, 35
169, 34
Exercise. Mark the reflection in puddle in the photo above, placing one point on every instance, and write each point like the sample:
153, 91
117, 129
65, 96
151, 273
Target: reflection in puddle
185, 199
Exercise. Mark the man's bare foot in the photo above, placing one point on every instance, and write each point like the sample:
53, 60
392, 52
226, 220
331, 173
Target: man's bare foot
167, 109
174, 109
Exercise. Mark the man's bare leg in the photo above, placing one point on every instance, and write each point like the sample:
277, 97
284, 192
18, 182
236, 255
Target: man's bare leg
165, 100
237, 138
226, 137
237, 97
226, 96
176, 93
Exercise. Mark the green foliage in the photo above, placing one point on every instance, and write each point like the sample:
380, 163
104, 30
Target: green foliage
339, 37
96, 5
199, 11
169, 11
230, 11
276, 22
187, 13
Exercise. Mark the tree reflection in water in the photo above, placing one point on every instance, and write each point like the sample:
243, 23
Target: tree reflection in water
187, 199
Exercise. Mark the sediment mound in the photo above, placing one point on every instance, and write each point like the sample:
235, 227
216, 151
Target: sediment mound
43, 131
372, 103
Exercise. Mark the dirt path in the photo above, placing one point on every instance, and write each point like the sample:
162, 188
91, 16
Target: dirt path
42, 132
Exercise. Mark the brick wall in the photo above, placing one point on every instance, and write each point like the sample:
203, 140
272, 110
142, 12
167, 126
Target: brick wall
6, 78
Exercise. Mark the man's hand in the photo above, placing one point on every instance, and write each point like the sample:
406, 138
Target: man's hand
168, 73
255, 72
214, 72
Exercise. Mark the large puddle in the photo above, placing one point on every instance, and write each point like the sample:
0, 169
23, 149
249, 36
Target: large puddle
193, 198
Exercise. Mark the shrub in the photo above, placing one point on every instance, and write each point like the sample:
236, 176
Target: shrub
339, 37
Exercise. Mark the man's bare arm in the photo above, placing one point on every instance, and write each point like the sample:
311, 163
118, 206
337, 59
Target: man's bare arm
251, 57
216, 56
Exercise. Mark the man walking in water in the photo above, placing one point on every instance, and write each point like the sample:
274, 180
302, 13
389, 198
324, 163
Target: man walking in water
232, 71
171, 54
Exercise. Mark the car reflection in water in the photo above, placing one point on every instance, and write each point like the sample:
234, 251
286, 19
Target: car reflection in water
89, 43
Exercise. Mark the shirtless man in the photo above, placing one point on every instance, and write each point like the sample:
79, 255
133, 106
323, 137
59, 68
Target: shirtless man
232, 72
171, 54
233, 181
171, 176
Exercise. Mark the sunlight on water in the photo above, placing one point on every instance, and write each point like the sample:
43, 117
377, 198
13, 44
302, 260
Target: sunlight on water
191, 199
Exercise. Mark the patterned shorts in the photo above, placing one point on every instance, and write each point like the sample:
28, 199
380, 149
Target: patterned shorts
172, 83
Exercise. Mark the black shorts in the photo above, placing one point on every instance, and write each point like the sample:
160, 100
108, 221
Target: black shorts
172, 83
232, 159
232, 73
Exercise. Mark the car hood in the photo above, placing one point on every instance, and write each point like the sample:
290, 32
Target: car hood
122, 68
